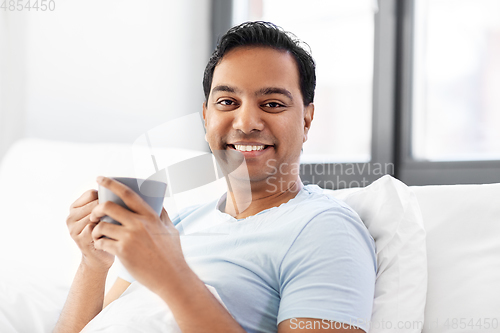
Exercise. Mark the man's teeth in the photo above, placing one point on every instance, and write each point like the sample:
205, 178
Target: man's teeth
248, 148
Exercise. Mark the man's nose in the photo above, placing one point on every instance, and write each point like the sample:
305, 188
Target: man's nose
248, 119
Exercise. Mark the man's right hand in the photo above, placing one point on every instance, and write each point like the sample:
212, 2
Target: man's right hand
80, 229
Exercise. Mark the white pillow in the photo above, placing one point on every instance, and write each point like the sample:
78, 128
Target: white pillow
137, 310
392, 215
463, 247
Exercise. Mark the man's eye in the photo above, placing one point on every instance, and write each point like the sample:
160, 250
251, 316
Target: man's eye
226, 102
273, 105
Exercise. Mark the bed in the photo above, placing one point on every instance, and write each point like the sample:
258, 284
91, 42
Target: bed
438, 247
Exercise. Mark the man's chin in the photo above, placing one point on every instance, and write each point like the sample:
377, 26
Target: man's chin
253, 178
242, 176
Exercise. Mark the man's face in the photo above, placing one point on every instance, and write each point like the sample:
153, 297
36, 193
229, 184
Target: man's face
255, 110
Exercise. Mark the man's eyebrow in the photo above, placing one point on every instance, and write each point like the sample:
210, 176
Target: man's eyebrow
224, 88
275, 90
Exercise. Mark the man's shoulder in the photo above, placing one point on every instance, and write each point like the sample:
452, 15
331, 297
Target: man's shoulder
326, 210
334, 214
320, 200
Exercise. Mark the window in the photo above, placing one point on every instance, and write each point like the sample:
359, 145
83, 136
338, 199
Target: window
450, 76
405, 87
456, 80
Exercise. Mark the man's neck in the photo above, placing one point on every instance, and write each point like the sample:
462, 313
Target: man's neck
244, 202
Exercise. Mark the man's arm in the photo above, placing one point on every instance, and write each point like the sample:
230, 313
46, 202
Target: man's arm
85, 299
194, 307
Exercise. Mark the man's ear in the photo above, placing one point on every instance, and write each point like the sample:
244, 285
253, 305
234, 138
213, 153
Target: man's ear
205, 114
308, 118
205, 119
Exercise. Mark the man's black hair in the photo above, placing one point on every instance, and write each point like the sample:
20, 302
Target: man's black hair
268, 35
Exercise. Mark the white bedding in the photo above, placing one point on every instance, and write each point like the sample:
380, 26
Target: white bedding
137, 310
28, 303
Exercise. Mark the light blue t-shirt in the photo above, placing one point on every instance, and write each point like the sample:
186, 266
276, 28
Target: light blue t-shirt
310, 257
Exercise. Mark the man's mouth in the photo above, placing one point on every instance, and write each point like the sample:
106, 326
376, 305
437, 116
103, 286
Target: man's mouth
248, 147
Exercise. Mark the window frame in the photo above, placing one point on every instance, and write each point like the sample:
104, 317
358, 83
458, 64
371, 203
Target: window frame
410, 170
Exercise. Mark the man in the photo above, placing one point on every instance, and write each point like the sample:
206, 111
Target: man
290, 258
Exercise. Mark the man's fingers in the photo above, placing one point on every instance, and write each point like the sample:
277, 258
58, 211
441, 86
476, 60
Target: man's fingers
87, 229
106, 244
85, 198
78, 227
79, 213
110, 230
113, 210
129, 197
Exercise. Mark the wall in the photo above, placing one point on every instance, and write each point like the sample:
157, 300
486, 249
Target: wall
101, 71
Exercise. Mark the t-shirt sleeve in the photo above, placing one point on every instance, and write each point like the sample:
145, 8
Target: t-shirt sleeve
329, 271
